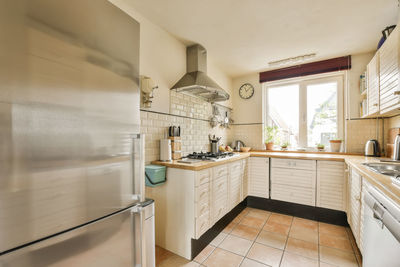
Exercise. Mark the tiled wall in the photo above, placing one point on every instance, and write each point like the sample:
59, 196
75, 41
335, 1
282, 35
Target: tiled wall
358, 132
250, 135
192, 114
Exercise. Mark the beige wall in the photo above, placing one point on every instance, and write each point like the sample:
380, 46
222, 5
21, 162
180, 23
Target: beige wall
163, 58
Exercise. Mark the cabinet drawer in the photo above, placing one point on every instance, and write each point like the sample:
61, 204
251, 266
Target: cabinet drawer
287, 176
235, 168
220, 171
219, 186
202, 177
289, 193
202, 224
218, 212
301, 164
202, 193
202, 208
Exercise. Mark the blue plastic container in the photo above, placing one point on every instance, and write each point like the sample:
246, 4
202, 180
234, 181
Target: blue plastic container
155, 175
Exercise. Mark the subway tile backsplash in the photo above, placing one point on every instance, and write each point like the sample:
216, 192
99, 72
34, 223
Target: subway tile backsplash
192, 114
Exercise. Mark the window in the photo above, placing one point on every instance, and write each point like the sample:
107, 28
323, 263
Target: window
307, 112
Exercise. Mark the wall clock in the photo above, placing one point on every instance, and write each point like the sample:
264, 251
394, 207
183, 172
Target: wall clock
246, 91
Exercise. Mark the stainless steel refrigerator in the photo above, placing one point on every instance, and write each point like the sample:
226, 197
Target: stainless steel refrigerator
71, 157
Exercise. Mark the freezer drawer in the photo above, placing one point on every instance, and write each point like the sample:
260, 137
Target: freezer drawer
111, 241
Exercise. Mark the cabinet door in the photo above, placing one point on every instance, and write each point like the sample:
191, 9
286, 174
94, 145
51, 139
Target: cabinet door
331, 185
355, 204
245, 178
234, 181
389, 73
259, 177
373, 85
219, 198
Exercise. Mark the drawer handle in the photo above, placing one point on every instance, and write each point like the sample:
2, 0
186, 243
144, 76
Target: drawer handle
202, 193
219, 186
203, 177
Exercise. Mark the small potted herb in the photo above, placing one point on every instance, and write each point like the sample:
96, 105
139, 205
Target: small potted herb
271, 133
335, 145
284, 145
320, 147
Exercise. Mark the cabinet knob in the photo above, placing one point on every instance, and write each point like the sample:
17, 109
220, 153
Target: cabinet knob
396, 92
375, 105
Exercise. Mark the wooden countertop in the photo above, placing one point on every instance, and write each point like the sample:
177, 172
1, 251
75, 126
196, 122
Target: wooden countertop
380, 181
200, 165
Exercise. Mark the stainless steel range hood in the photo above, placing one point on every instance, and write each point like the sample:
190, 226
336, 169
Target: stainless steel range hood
196, 82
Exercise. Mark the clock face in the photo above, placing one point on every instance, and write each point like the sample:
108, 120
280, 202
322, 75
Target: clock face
246, 91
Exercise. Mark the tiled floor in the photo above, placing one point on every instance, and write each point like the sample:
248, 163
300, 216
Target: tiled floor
258, 238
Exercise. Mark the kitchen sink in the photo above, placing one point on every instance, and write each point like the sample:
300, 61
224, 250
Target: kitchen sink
390, 169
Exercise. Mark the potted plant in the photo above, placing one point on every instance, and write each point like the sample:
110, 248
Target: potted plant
284, 145
335, 145
320, 147
271, 133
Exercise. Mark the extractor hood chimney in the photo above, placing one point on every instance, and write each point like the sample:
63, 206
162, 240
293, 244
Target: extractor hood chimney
196, 82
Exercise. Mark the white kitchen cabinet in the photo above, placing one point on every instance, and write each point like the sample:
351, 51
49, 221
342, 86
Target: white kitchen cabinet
219, 197
355, 199
293, 180
235, 183
373, 86
259, 177
245, 178
389, 74
331, 185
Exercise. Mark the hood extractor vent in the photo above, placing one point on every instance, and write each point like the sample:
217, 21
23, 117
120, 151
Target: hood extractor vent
196, 82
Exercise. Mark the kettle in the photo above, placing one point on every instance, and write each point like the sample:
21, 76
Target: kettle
372, 148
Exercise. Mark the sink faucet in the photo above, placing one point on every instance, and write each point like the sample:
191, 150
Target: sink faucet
396, 148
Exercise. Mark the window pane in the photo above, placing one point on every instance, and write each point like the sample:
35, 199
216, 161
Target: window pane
321, 113
283, 106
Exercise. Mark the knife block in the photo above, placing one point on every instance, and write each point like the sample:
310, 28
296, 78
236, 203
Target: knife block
176, 147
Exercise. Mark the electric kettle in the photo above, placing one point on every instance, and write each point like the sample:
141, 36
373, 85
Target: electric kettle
372, 148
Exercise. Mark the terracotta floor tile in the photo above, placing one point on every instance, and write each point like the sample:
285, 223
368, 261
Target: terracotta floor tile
303, 248
303, 233
246, 232
280, 218
253, 222
218, 239
229, 227
276, 228
236, 245
312, 225
272, 239
162, 254
335, 242
294, 260
265, 254
165, 258
204, 254
239, 218
250, 263
337, 257
261, 214
221, 257
333, 230
323, 264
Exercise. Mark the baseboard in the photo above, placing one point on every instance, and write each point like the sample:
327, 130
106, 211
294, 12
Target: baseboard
199, 244
303, 211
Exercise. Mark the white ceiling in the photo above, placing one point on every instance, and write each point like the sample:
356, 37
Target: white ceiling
242, 36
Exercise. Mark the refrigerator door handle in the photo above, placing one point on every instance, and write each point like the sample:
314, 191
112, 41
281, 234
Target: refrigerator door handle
139, 248
138, 181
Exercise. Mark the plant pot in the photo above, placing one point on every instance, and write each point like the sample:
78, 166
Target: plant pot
269, 146
335, 145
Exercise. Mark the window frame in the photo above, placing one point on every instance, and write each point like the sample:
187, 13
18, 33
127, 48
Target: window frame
303, 82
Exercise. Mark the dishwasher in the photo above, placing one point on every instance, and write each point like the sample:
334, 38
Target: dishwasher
381, 230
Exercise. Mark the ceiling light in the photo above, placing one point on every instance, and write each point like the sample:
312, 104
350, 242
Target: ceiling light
292, 60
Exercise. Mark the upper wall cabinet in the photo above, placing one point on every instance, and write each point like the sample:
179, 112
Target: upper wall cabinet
389, 75
373, 86
383, 79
